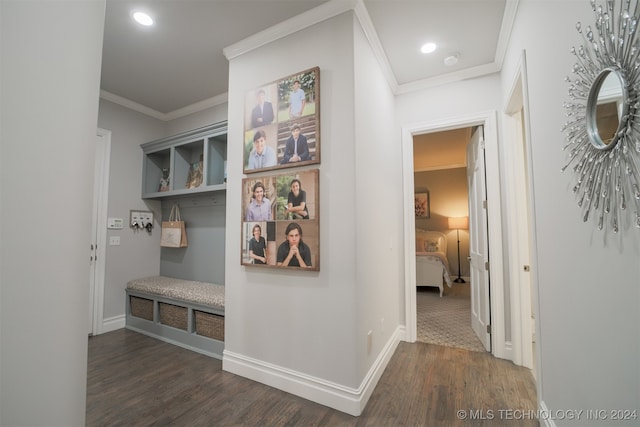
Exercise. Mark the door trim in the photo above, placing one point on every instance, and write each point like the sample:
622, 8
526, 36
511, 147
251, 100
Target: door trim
489, 121
521, 330
100, 216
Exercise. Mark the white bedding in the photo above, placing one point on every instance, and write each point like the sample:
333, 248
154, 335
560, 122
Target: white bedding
432, 265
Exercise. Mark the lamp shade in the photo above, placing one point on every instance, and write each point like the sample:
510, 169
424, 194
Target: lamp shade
459, 223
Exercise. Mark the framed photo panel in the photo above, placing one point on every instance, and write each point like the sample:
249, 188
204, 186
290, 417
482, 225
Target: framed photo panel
280, 222
282, 123
422, 205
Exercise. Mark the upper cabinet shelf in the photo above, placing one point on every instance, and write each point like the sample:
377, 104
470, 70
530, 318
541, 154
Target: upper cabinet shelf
194, 162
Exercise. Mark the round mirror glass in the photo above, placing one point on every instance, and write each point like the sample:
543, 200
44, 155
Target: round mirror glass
607, 109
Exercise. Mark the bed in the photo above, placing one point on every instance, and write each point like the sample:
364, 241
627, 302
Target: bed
432, 266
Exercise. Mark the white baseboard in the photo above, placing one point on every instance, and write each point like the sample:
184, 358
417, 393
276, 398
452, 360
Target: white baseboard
112, 324
346, 399
402, 333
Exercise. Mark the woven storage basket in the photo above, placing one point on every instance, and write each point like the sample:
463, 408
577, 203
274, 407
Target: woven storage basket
209, 325
141, 307
173, 315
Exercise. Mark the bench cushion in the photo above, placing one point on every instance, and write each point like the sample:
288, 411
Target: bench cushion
187, 290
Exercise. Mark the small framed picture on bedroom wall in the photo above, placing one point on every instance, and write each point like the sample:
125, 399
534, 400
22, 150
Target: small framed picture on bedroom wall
422, 205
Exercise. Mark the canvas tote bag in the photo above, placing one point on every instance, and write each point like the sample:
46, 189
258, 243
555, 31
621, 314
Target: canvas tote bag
174, 234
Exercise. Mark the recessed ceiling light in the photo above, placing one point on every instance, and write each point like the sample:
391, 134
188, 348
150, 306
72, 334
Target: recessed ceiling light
143, 19
428, 48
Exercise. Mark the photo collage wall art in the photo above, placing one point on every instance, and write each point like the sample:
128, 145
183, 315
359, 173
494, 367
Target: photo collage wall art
280, 221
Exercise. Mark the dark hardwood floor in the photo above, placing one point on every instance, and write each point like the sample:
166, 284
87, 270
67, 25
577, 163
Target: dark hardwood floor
135, 380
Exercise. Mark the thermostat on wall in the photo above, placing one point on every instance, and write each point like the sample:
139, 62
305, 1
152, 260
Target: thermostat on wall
115, 223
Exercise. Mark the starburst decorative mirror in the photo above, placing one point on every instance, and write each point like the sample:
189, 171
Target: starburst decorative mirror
602, 130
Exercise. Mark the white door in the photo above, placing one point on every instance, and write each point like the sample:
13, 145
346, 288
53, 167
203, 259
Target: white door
97, 246
478, 242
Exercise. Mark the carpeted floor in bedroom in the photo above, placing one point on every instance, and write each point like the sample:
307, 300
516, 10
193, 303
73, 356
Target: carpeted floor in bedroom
447, 320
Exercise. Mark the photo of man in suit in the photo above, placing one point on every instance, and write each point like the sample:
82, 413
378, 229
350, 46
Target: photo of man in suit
296, 148
262, 113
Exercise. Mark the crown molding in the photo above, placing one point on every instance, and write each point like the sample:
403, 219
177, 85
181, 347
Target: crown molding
165, 117
116, 99
290, 26
468, 73
508, 20
374, 41
198, 106
321, 13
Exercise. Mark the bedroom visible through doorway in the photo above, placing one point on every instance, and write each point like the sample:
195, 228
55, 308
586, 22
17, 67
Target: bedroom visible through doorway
439, 160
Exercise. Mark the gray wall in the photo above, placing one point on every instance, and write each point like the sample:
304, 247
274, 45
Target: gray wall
205, 218
203, 259
138, 254
50, 85
215, 114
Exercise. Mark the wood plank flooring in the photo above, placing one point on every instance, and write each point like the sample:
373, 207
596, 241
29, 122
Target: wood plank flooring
135, 380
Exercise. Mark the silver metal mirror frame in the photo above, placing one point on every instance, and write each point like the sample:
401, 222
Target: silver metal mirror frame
607, 180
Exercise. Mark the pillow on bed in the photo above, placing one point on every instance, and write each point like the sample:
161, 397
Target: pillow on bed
420, 244
431, 245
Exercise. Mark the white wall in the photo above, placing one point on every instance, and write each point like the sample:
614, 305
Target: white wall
50, 83
378, 206
588, 286
302, 321
138, 254
313, 327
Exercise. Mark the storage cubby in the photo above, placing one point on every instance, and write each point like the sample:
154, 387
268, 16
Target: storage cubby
177, 154
186, 155
216, 156
154, 163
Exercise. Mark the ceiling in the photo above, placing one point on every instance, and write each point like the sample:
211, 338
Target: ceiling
179, 62
441, 150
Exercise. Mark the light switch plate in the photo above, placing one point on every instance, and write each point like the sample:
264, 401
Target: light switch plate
114, 241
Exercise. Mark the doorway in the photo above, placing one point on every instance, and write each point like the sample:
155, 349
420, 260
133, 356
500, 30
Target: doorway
447, 165
98, 242
489, 122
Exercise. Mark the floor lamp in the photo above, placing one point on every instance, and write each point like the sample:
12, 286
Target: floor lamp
457, 224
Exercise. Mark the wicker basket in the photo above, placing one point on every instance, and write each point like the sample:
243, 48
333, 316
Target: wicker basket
209, 325
173, 315
141, 307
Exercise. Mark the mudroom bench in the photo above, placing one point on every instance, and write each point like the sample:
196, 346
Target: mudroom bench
182, 312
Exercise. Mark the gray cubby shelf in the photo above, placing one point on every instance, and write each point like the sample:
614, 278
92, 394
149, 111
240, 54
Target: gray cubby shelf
177, 153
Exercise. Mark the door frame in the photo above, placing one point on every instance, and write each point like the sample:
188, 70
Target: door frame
488, 119
100, 225
478, 238
522, 237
